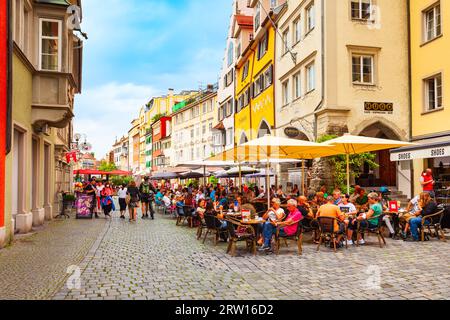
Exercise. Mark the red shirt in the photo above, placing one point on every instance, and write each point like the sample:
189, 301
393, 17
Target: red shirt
429, 186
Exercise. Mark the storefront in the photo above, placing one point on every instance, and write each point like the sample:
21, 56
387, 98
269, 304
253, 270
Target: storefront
435, 156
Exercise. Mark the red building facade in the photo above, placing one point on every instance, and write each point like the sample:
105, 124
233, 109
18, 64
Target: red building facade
4, 63
161, 131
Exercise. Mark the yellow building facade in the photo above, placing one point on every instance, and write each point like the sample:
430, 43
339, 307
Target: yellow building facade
255, 114
430, 91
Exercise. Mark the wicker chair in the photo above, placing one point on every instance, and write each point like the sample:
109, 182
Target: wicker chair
377, 230
298, 238
435, 221
327, 232
212, 227
243, 233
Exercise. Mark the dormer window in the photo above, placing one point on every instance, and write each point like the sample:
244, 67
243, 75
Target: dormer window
50, 38
257, 16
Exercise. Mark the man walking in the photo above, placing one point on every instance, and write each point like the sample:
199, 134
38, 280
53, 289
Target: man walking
147, 198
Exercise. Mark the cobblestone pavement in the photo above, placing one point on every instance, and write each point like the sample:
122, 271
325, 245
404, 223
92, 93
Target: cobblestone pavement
157, 260
35, 266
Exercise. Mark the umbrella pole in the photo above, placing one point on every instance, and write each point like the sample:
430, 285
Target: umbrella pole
268, 183
240, 178
303, 177
204, 176
348, 173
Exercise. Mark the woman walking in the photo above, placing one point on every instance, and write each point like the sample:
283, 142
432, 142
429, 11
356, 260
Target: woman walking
107, 200
122, 194
134, 199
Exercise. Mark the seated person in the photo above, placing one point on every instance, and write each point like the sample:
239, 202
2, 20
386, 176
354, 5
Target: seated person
275, 213
370, 219
221, 224
355, 194
331, 210
412, 209
308, 222
288, 227
319, 200
427, 206
180, 205
201, 209
166, 200
362, 201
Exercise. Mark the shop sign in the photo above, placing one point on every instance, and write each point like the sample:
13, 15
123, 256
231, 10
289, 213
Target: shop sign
379, 107
291, 132
426, 153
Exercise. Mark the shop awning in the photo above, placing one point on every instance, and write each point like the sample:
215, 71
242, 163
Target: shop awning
425, 151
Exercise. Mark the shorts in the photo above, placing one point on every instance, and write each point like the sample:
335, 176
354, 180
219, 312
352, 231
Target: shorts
133, 204
407, 216
145, 198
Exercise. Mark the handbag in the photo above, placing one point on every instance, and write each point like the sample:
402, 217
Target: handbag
128, 199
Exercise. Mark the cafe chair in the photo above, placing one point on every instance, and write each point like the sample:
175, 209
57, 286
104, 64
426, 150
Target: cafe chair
239, 233
181, 219
188, 215
201, 226
327, 232
298, 238
433, 221
378, 231
212, 227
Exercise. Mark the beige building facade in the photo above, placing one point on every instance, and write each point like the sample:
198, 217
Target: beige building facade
192, 127
46, 77
342, 67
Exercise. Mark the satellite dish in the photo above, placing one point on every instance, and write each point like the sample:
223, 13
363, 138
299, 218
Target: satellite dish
86, 147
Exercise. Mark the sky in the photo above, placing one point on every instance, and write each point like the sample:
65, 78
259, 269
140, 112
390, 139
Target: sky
138, 49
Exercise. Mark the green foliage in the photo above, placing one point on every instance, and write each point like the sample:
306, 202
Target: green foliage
107, 166
213, 180
118, 180
340, 164
158, 117
69, 197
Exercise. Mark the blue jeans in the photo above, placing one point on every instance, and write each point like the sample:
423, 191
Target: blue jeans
415, 224
268, 231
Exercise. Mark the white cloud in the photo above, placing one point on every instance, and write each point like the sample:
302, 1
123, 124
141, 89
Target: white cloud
104, 112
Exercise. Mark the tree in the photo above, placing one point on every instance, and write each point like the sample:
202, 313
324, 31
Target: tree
340, 164
107, 166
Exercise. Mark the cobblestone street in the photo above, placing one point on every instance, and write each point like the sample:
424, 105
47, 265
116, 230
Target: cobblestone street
157, 260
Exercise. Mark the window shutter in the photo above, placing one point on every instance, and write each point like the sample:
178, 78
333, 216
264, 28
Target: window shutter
251, 90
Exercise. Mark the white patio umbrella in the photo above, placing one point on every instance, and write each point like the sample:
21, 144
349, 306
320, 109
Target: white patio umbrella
269, 147
350, 145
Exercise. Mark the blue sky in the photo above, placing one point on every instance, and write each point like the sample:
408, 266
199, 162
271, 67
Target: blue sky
138, 49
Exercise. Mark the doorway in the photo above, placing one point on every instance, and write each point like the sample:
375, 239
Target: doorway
18, 171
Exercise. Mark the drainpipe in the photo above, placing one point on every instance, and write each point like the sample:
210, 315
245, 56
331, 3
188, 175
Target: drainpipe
320, 105
410, 92
9, 81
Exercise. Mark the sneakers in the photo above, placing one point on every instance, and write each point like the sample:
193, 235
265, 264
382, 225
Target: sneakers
349, 242
361, 242
264, 249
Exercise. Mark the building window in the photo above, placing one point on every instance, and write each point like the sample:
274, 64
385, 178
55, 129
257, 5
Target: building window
245, 70
192, 133
229, 78
297, 86
362, 66
50, 45
297, 31
263, 45
432, 18
310, 21
361, 9
204, 129
311, 77
286, 41
286, 98
268, 77
230, 54
433, 87
257, 16
204, 108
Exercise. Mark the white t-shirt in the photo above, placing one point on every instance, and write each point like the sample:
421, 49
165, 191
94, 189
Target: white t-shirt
415, 203
273, 215
349, 207
166, 201
122, 193
99, 190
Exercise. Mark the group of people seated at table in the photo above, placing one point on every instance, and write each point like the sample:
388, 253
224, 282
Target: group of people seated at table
352, 212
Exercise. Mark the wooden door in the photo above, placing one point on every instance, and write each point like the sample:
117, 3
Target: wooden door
388, 169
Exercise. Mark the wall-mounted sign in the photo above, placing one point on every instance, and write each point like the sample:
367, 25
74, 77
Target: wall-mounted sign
291, 132
378, 107
425, 153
